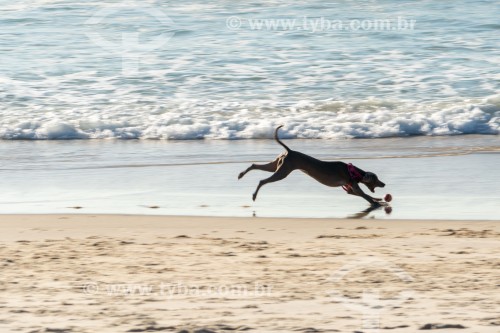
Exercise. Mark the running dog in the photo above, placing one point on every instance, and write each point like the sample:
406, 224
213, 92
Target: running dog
327, 173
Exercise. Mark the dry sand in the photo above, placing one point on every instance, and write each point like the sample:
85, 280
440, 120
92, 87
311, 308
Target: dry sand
98, 273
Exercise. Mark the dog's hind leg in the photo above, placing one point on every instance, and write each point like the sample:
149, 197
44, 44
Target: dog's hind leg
278, 175
269, 167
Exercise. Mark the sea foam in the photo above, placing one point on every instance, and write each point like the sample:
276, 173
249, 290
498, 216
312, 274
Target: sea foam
191, 120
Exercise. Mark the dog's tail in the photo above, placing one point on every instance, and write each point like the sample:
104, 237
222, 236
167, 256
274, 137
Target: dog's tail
278, 140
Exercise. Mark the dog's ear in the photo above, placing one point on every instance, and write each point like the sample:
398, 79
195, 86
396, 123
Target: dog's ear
369, 177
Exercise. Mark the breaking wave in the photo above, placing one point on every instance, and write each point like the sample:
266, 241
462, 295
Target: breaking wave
235, 120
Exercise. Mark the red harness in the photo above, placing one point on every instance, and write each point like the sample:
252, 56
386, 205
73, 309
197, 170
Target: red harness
355, 176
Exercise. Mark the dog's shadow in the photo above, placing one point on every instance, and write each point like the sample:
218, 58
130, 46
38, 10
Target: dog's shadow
365, 212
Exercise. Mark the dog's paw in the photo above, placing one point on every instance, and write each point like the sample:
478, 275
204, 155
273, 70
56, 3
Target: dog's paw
241, 175
254, 196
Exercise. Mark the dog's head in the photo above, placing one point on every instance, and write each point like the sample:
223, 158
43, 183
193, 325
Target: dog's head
371, 181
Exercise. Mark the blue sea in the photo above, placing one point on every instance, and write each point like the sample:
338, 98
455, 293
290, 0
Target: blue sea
119, 106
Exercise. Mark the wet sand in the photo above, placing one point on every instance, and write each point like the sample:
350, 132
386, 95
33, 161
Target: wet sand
428, 177
116, 273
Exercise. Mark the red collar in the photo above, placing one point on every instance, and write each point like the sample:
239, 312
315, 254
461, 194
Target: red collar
355, 176
354, 173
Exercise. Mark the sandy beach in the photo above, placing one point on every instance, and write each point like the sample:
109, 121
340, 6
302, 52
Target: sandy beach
124, 273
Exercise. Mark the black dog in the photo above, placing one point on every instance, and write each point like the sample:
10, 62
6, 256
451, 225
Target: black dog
328, 173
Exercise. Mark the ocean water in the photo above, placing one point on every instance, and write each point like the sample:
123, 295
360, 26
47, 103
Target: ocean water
234, 70
169, 101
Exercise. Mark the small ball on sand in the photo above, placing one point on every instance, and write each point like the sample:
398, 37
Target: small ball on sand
388, 197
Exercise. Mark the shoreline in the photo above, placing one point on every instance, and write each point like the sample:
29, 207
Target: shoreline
105, 178
167, 220
171, 216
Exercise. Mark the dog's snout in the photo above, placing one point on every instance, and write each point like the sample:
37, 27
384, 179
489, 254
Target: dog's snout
381, 184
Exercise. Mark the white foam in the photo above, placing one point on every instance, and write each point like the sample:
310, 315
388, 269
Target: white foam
190, 120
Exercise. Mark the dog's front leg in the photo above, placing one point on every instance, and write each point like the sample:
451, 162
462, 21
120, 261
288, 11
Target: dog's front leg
350, 191
354, 189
